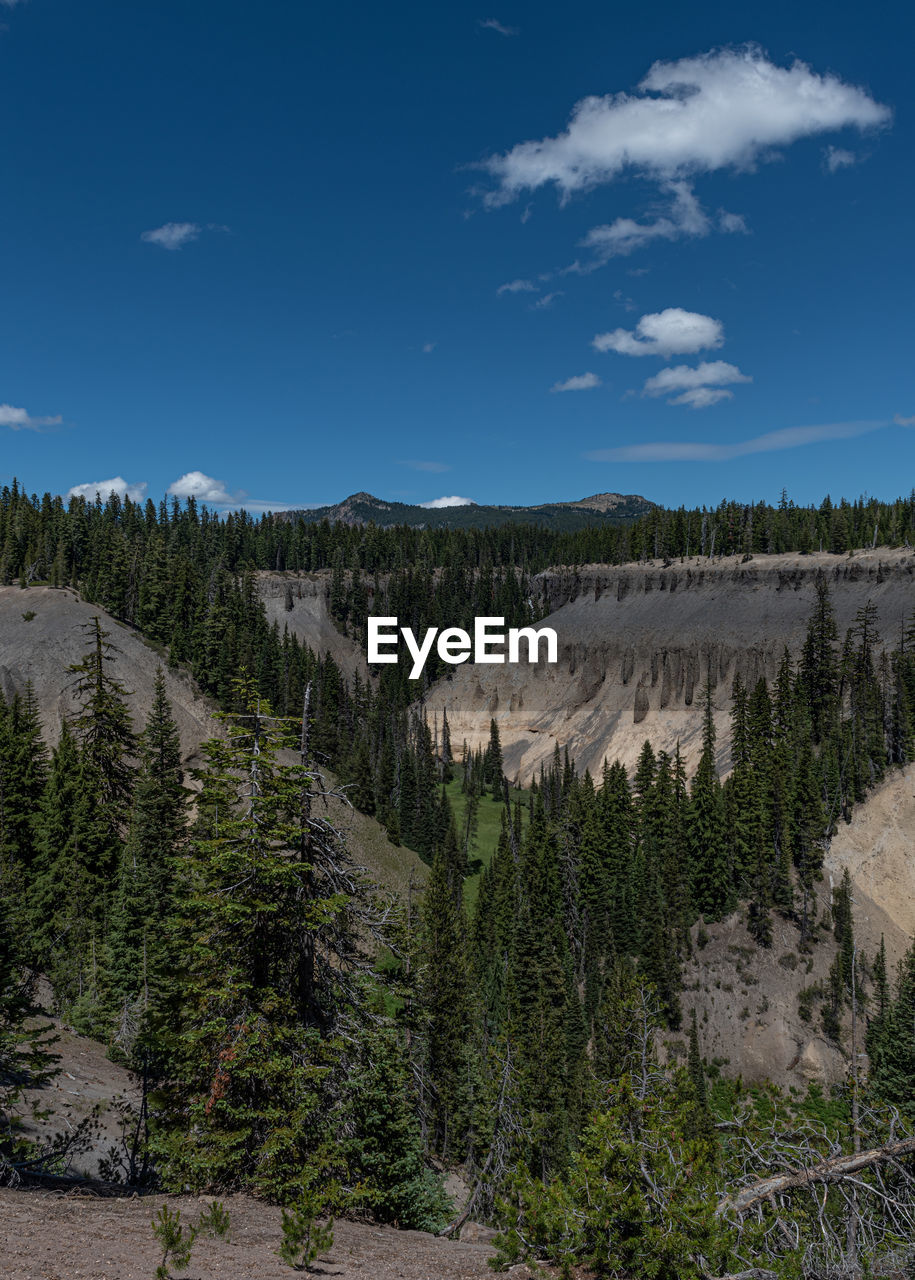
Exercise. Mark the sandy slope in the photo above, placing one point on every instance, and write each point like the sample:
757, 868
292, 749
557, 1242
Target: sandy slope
52, 1237
637, 643
42, 649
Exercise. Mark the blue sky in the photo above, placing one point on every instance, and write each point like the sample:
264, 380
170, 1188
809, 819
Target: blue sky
511, 252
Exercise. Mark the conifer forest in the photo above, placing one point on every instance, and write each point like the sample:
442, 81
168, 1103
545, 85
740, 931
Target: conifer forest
301, 1033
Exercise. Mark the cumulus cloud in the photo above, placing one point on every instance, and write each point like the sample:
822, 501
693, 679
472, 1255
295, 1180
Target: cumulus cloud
204, 488
700, 387
493, 24
728, 108
671, 332
838, 158
196, 484
453, 501
771, 442
104, 488
518, 286
21, 420
418, 464
580, 382
172, 235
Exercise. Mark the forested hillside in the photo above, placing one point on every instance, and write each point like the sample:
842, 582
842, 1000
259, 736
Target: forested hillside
298, 1034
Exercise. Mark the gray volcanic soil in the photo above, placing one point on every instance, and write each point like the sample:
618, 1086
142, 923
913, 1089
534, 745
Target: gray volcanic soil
43, 648
636, 644
52, 1237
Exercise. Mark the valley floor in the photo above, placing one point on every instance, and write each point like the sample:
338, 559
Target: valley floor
48, 1236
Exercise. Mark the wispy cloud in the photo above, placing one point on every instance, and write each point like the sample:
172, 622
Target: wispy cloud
453, 501
493, 24
419, 464
771, 442
684, 217
429, 347
135, 491
671, 332
698, 388
900, 421
21, 420
172, 235
518, 286
838, 158
546, 301
580, 382
732, 223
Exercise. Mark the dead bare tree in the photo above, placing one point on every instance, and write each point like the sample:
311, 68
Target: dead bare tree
836, 1206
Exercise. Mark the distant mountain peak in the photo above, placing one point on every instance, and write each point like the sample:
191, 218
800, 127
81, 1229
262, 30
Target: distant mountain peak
364, 508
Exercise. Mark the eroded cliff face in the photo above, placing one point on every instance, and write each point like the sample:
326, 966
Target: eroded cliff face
637, 643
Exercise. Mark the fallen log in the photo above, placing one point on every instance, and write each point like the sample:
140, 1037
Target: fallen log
831, 1170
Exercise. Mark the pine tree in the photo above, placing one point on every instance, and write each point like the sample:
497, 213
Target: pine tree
492, 762
26, 1048
445, 999
147, 872
103, 726
270, 931
712, 891
818, 674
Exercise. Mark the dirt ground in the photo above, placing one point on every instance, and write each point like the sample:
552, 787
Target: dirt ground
47, 1236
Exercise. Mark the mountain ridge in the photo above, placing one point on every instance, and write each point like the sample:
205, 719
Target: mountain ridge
364, 508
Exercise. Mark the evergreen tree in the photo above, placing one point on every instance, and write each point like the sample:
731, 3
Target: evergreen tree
103, 726
444, 997
270, 931
712, 891
147, 872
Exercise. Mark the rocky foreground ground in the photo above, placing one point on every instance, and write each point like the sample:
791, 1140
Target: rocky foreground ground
47, 1236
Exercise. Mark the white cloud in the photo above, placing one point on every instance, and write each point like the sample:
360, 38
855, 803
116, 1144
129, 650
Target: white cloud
771, 442
838, 158
684, 217
493, 24
20, 420
429, 347
448, 502
204, 488
195, 484
900, 421
172, 235
418, 464
546, 301
580, 382
700, 387
703, 397
728, 108
10, 4
135, 492
732, 223
518, 286
671, 332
